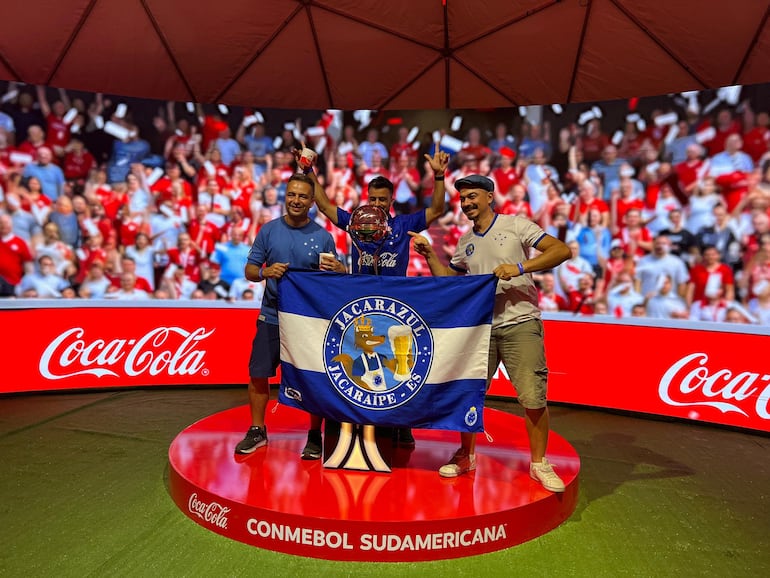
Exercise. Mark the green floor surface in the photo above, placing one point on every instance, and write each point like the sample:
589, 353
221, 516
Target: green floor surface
83, 480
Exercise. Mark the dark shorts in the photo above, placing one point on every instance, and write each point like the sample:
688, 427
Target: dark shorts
265, 351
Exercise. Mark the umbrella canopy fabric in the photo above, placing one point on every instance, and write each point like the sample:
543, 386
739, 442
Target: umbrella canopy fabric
385, 54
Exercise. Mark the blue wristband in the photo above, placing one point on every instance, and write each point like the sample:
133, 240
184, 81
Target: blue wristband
521, 268
260, 275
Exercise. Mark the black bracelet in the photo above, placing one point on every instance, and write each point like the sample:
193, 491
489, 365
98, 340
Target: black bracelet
438, 178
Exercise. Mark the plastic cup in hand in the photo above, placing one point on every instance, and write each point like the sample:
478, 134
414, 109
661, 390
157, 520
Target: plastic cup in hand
306, 159
327, 260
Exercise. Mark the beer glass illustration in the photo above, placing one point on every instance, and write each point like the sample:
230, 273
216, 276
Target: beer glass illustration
400, 337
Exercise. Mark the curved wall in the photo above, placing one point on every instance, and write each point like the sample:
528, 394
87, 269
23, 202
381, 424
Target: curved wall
710, 372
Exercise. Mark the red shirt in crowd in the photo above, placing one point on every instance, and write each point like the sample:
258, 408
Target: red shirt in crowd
399, 149
717, 144
511, 208
34, 202
221, 174
345, 176
734, 187
340, 237
655, 134
141, 283
111, 200
624, 205
30, 149
240, 196
129, 229
582, 303
188, 259
163, 188
87, 256
5, 155
688, 172
594, 203
612, 267
14, 252
478, 151
755, 142
212, 127
630, 240
592, 145
553, 302
57, 132
205, 235
106, 228
505, 179
78, 166
699, 276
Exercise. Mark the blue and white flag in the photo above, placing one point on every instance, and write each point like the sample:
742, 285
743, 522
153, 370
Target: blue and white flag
389, 351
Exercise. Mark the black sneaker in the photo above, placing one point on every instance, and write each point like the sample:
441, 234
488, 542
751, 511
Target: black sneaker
312, 450
405, 437
255, 438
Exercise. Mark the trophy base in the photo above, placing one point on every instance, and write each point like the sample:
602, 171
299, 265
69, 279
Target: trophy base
358, 447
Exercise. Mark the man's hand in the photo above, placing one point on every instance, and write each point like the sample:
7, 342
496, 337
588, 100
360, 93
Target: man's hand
421, 244
439, 161
275, 271
305, 157
506, 271
329, 262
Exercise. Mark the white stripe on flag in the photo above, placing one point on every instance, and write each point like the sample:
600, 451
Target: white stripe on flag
458, 353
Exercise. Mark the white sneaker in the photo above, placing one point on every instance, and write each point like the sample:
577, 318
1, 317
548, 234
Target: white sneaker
543, 473
462, 462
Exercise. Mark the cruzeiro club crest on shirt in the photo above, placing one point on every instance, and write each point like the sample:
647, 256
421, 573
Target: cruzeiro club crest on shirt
377, 352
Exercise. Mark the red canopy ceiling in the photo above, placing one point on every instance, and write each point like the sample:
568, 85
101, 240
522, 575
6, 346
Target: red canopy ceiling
385, 54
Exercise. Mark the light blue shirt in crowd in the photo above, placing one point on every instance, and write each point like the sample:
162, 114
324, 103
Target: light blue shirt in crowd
50, 176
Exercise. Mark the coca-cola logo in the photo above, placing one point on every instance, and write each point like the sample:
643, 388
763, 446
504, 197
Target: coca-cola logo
169, 350
385, 259
211, 512
693, 383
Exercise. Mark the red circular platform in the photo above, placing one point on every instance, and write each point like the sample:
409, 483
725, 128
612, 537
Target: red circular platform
274, 500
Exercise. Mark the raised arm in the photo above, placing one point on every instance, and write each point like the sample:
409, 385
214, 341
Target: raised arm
171, 113
438, 163
240, 134
45, 108
65, 98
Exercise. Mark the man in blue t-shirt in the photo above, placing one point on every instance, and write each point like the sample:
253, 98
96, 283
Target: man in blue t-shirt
392, 254
293, 241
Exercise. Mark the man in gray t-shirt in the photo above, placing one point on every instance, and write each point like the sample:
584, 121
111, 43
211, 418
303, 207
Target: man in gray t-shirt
501, 244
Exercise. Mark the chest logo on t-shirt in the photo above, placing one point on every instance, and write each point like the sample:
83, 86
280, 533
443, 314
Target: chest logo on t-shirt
470, 249
500, 238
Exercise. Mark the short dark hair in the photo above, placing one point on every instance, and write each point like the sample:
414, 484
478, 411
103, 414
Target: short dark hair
302, 179
380, 183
